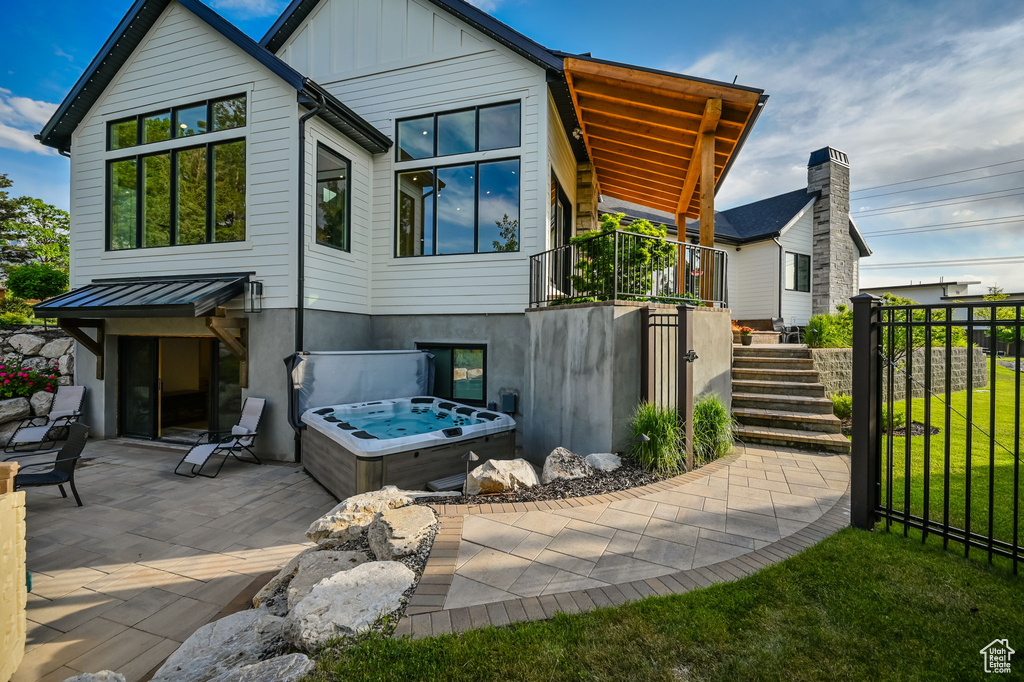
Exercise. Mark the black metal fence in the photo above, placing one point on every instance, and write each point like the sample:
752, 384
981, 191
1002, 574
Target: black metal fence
623, 265
943, 462
666, 356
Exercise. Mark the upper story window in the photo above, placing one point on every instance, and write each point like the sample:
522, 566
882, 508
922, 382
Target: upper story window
187, 194
798, 272
333, 188
459, 208
185, 121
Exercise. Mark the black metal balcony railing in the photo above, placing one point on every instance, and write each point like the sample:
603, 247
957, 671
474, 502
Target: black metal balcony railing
628, 266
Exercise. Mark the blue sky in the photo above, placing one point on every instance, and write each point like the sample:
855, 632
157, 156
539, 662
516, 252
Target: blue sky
907, 89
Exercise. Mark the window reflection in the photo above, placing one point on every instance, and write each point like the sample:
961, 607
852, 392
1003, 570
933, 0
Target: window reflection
190, 121
498, 221
332, 210
455, 209
228, 113
499, 126
157, 127
416, 138
456, 133
416, 213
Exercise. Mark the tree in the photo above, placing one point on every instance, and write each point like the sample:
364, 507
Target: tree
1003, 334
32, 231
508, 231
36, 281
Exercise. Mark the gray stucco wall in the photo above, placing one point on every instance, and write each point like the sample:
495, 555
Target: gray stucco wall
835, 371
712, 339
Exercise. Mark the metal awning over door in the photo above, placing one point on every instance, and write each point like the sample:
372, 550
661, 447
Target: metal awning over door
184, 296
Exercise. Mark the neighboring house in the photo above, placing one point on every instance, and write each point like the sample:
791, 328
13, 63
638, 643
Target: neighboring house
372, 175
927, 292
791, 256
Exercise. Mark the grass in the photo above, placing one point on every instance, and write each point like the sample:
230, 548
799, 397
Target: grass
856, 606
662, 452
983, 460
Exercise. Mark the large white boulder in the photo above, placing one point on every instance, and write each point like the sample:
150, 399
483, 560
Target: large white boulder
398, 532
354, 515
101, 676
604, 461
41, 401
290, 668
66, 364
347, 603
562, 464
232, 642
500, 475
56, 348
15, 408
315, 566
27, 344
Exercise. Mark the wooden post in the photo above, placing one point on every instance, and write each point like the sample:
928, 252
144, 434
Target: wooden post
707, 189
684, 379
7, 472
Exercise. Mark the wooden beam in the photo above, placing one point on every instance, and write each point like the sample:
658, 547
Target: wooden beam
639, 198
75, 329
669, 118
569, 79
664, 196
694, 172
682, 147
239, 348
707, 189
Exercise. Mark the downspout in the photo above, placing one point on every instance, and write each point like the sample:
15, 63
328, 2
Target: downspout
782, 266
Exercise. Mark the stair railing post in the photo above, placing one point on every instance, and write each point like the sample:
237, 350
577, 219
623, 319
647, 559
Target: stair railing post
866, 462
684, 378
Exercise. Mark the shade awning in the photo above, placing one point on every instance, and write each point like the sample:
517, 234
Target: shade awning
185, 296
643, 130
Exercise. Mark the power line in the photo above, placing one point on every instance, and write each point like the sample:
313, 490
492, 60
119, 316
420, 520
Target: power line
941, 184
940, 227
940, 175
1001, 260
935, 201
951, 203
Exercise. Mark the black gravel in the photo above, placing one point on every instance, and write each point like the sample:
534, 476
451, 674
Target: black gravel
625, 477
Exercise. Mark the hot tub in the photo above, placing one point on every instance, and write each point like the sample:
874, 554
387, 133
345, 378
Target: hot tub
405, 442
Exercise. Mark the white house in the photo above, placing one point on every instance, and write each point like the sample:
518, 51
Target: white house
930, 293
372, 175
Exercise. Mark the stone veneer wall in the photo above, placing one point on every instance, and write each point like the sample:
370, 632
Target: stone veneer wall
835, 371
13, 591
36, 348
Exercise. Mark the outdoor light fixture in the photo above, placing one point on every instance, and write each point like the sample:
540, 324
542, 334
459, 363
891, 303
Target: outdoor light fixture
467, 458
643, 438
253, 297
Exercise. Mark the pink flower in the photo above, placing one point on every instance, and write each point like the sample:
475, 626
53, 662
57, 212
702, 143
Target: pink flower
7, 381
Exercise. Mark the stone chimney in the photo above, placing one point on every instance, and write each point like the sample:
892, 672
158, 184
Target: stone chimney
835, 259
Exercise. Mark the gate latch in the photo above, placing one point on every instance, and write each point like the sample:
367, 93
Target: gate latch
691, 356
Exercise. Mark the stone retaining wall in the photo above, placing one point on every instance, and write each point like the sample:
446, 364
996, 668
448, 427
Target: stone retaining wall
34, 348
835, 371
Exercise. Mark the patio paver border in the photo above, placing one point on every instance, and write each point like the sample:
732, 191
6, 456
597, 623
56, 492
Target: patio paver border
425, 615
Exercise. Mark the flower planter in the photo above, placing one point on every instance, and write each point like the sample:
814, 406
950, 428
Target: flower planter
746, 339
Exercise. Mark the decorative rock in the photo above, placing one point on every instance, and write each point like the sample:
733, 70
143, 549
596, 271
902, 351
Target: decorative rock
15, 408
315, 566
65, 381
223, 645
347, 603
397, 533
562, 464
41, 401
290, 668
26, 344
354, 515
499, 475
101, 676
66, 364
35, 363
56, 348
604, 461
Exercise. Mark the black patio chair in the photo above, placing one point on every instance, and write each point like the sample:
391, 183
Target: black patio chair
63, 467
786, 334
240, 438
35, 433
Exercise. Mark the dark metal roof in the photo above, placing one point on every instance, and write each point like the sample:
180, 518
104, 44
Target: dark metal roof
184, 296
130, 33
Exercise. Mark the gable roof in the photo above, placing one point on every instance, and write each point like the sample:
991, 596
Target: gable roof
130, 33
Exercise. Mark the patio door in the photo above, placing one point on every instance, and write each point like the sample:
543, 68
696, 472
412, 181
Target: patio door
560, 234
138, 386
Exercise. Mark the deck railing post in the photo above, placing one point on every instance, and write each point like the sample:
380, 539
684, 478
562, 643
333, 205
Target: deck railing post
865, 465
646, 356
684, 378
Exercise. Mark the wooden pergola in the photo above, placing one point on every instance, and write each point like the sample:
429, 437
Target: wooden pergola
660, 140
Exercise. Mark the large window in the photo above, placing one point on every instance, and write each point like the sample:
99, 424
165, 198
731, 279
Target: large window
798, 272
459, 372
213, 115
333, 185
190, 195
470, 207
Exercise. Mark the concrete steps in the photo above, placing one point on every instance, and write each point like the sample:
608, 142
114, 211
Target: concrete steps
778, 400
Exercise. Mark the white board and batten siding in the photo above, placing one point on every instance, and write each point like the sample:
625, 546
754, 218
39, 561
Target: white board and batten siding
798, 237
394, 59
181, 61
754, 281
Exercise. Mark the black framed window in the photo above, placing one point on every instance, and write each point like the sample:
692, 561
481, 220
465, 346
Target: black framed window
798, 272
460, 371
333, 190
225, 113
476, 129
187, 195
466, 208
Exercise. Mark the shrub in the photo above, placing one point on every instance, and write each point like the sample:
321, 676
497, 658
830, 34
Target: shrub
899, 418
36, 281
23, 382
13, 304
842, 405
712, 430
830, 330
12, 318
663, 453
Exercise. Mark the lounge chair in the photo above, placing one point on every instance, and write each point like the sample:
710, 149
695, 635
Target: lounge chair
227, 443
63, 467
35, 432
786, 334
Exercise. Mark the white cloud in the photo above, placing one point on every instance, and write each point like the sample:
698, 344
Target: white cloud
250, 8
20, 119
486, 5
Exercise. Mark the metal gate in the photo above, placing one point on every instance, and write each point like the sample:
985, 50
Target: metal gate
666, 355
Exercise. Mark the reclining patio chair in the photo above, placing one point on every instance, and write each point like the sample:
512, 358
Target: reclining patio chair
35, 432
63, 467
786, 334
227, 443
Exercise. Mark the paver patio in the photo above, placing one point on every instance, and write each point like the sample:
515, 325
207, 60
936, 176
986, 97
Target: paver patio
121, 582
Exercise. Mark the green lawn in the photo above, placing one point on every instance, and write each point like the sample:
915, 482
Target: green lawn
857, 606
981, 460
